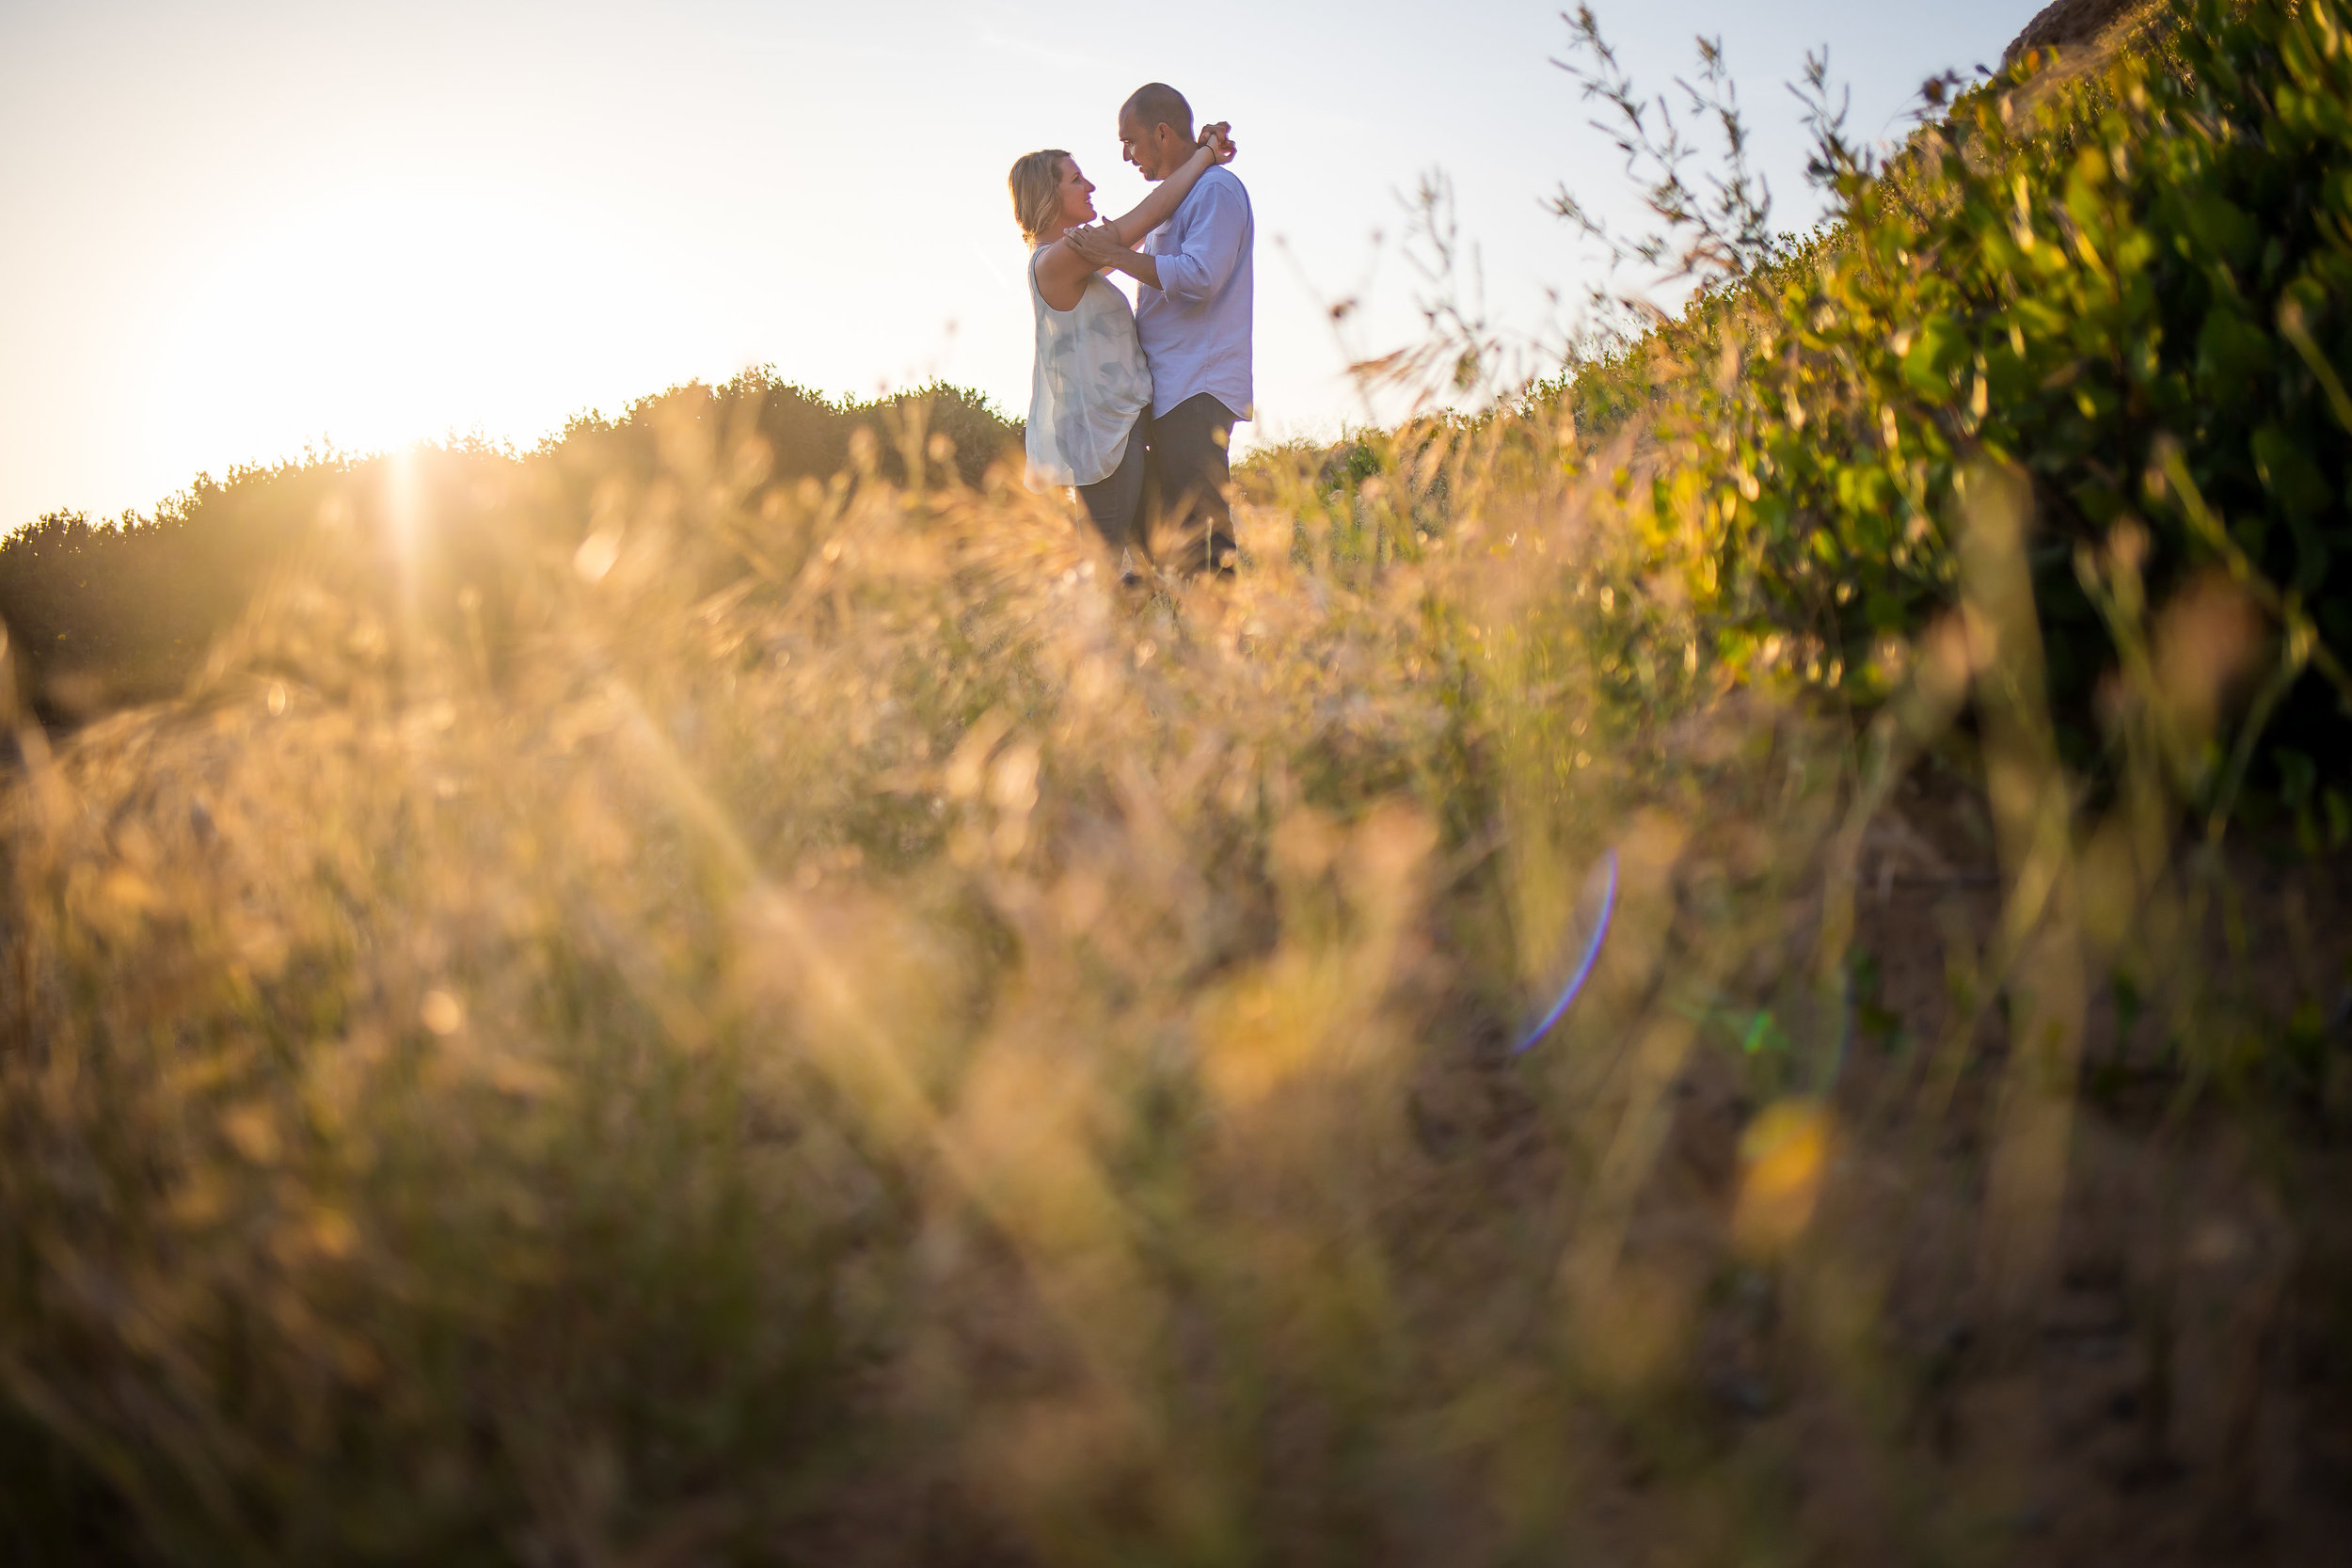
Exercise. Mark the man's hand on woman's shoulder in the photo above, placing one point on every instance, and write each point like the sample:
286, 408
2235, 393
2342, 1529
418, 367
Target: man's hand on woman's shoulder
1095, 243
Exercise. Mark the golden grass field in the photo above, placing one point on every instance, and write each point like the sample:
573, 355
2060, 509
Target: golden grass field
640, 1008
858, 1042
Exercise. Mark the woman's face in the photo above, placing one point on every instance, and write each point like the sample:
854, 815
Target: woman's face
1077, 194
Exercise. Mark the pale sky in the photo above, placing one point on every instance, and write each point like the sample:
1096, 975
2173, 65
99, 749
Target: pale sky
228, 230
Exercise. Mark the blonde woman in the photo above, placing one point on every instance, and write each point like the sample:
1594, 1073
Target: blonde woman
1090, 395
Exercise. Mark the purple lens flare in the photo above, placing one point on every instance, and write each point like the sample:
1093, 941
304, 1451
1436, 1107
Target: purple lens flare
1584, 963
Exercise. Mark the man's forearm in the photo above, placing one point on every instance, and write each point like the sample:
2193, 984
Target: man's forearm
1141, 265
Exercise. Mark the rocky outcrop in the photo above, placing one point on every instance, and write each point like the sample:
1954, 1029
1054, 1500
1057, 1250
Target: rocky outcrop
2067, 24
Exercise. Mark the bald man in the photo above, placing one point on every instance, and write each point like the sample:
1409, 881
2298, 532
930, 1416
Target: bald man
1193, 313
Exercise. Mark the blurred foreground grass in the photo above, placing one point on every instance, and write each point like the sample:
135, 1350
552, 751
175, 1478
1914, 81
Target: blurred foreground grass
855, 1044
732, 1017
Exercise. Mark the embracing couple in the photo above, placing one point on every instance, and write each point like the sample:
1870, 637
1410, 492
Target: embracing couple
1136, 408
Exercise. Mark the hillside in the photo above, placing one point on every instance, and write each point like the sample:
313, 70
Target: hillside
1740, 960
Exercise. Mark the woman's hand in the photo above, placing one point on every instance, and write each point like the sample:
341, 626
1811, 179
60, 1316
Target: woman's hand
1219, 139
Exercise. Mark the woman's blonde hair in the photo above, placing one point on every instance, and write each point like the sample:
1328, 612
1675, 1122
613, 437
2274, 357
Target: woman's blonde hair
1036, 184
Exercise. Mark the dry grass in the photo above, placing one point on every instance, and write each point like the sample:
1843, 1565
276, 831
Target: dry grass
804, 1025
908, 1056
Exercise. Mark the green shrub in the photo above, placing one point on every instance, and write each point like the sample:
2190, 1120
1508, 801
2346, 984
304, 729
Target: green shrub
2159, 263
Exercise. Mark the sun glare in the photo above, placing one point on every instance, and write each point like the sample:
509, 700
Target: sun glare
371, 318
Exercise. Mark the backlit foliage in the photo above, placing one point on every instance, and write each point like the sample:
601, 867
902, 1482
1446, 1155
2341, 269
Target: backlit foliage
649, 1004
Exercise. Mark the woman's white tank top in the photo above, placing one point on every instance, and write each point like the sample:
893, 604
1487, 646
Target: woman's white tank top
1090, 386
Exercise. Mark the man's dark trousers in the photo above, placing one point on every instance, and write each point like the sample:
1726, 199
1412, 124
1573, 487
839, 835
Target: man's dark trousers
1186, 475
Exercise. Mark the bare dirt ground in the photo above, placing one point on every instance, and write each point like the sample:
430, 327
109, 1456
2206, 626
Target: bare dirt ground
2183, 1395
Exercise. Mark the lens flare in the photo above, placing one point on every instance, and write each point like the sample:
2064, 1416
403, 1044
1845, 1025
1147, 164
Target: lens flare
1585, 960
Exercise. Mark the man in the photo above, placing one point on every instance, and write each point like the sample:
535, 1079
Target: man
1193, 315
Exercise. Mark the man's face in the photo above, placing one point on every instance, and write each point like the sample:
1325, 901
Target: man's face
1148, 147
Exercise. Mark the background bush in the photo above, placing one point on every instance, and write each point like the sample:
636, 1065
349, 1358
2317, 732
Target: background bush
2133, 288
100, 615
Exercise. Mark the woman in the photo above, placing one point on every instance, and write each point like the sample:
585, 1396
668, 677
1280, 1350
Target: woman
1091, 392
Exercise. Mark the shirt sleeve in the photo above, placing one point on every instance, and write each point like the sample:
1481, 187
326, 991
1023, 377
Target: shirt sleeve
1210, 246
